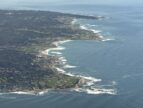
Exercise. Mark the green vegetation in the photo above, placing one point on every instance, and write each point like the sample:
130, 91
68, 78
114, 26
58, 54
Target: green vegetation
23, 35
57, 81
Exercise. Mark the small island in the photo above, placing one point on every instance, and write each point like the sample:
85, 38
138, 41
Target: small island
24, 35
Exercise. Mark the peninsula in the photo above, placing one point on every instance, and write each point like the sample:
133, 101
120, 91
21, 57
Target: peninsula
23, 37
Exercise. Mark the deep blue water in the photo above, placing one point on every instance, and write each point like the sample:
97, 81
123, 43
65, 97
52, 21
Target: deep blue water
119, 62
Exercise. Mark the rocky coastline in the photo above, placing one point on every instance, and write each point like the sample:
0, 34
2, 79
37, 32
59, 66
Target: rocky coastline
24, 63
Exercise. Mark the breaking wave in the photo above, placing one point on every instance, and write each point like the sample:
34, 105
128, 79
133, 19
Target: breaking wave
90, 86
90, 27
84, 27
108, 39
97, 91
69, 66
99, 32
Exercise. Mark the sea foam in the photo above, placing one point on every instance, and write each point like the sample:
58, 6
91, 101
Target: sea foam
69, 66
107, 39
84, 27
90, 27
57, 53
90, 86
96, 91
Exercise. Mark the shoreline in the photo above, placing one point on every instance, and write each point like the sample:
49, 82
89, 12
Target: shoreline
85, 82
61, 62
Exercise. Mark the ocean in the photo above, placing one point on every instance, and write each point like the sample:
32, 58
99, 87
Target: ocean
116, 63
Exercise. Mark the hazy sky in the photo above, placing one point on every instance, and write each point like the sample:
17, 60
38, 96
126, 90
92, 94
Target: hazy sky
124, 2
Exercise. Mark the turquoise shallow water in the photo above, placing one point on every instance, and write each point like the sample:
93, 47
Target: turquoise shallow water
117, 62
